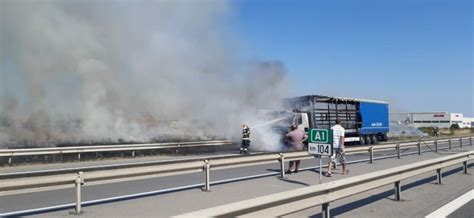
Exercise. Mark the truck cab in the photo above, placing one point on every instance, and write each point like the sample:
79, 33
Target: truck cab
301, 121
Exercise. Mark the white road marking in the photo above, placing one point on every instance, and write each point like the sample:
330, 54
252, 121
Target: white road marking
452, 206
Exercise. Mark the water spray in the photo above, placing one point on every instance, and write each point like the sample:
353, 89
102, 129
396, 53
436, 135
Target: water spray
268, 123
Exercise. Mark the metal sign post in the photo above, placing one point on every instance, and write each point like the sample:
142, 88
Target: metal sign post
320, 144
320, 169
320, 166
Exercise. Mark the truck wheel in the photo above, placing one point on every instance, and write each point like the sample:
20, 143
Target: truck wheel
366, 140
375, 139
362, 140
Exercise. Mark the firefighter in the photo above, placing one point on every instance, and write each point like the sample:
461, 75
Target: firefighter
245, 139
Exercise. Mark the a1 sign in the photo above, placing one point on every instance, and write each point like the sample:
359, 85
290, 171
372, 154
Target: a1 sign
320, 142
321, 136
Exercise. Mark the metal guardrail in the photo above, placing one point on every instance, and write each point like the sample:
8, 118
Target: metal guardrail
10, 153
19, 181
105, 148
428, 138
287, 202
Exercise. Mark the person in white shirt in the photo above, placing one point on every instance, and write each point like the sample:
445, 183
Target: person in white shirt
338, 145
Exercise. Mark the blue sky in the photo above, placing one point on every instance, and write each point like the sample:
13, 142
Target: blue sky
415, 54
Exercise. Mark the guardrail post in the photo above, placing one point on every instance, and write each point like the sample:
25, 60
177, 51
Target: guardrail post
326, 210
398, 151
439, 176
371, 154
449, 143
460, 142
207, 169
79, 156
397, 191
10, 160
282, 165
436, 146
133, 153
464, 167
79, 183
419, 147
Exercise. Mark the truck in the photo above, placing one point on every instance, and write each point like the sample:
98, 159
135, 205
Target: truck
365, 121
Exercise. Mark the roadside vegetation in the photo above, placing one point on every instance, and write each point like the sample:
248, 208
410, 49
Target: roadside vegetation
452, 131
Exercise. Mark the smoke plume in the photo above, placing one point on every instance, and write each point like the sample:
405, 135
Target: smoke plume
95, 71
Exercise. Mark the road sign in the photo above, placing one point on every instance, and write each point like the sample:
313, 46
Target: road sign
321, 136
320, 149
320, 142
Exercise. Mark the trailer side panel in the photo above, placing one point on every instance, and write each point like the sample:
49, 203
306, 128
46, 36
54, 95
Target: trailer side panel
374, 118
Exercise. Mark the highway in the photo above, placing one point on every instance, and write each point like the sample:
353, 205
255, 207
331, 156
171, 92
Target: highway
254, 181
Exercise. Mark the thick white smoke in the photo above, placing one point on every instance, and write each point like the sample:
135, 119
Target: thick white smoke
94, 71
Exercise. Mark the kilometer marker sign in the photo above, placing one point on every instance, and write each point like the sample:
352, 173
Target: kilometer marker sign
320, 142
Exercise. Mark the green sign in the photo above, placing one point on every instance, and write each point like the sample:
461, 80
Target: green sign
321, 136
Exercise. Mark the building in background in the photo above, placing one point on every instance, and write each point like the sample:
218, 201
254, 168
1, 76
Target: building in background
432, 119
467, 122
